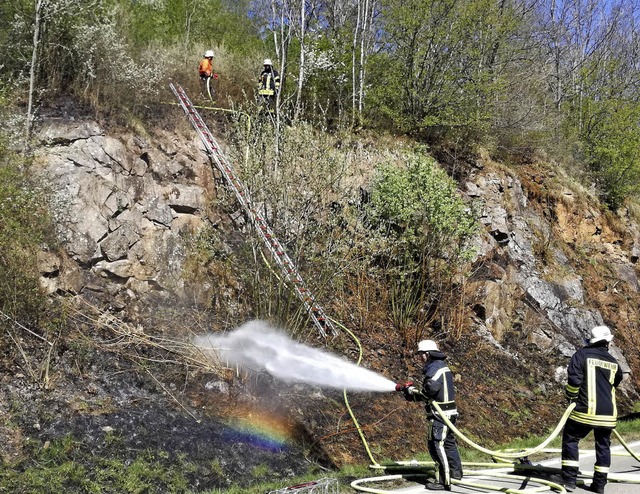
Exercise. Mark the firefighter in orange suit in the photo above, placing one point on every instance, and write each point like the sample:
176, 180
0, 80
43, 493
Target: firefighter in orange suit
205, 70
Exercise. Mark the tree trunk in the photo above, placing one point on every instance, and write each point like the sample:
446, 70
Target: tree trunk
34, 61
355, 72
301, 70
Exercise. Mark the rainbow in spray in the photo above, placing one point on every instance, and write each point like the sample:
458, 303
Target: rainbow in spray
260, 429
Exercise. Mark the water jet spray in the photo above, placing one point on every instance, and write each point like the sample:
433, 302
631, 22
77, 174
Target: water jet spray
258, 346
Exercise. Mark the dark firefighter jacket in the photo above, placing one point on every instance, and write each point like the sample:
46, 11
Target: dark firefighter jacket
593, 375
437, 386
269, 82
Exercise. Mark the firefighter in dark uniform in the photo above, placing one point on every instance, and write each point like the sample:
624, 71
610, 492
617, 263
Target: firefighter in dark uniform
437, 387
269, 84
593, 376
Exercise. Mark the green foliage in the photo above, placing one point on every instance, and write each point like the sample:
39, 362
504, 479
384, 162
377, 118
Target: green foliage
66, 465
423, 230
206, 22
15, 35
117, 54
442, 72
419, 206
24, 230
613, 149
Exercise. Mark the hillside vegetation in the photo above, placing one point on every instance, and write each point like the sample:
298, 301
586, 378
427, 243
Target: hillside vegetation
466, 170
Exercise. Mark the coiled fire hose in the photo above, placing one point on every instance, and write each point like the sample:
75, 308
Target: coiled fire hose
504, 454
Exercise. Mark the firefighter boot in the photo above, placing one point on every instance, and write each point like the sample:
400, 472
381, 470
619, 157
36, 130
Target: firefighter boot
433, 486
599, 481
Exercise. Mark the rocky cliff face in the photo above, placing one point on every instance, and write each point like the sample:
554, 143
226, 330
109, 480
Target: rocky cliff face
546, 246
549, 266
124, 207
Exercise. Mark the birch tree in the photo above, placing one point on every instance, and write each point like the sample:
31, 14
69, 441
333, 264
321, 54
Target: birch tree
363, 39
38, 14
579, 34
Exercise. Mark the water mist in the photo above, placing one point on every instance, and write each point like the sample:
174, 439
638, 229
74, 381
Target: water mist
258, 346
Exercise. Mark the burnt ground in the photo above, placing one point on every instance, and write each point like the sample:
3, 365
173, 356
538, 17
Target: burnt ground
101, 408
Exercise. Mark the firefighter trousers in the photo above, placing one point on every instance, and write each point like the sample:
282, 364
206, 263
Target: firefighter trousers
444, 450
572, 434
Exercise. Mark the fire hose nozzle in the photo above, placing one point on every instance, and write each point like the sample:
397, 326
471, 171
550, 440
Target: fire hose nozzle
403, 386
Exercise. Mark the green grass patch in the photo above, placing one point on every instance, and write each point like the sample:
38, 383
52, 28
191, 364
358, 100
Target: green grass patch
66, 465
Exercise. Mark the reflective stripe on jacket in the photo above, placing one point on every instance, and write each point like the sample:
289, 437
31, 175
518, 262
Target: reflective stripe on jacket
269, 82
593, 376
438, 385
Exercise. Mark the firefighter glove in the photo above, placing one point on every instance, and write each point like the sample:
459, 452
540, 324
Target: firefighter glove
411, 393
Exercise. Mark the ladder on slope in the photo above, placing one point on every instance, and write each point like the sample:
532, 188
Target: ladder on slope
278, 252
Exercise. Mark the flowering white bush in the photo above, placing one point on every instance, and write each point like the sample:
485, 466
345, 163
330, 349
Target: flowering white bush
108, 69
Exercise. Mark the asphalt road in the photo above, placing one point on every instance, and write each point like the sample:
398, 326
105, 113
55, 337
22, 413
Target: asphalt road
620, 464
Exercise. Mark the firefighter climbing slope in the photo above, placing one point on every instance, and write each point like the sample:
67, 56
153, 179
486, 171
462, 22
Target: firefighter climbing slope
269, 84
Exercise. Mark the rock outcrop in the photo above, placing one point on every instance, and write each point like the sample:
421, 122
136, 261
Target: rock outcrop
124, 207
524, 281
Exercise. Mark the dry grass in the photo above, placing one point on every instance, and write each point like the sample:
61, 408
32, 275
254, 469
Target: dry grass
129, 339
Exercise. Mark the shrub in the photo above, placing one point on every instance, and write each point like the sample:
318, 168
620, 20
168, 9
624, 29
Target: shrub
422, 231
613, 149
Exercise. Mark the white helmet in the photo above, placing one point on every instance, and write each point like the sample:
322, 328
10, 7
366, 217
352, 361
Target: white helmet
600, 333
208, 53
267, 61
427, 346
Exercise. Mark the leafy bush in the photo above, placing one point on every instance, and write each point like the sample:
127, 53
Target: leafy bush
423, 229
613, 149
419, 206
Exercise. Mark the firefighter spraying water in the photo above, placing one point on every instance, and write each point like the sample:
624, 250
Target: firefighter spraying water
260, 347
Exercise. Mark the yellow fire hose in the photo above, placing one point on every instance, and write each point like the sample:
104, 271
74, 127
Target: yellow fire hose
505, 454
544, 485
